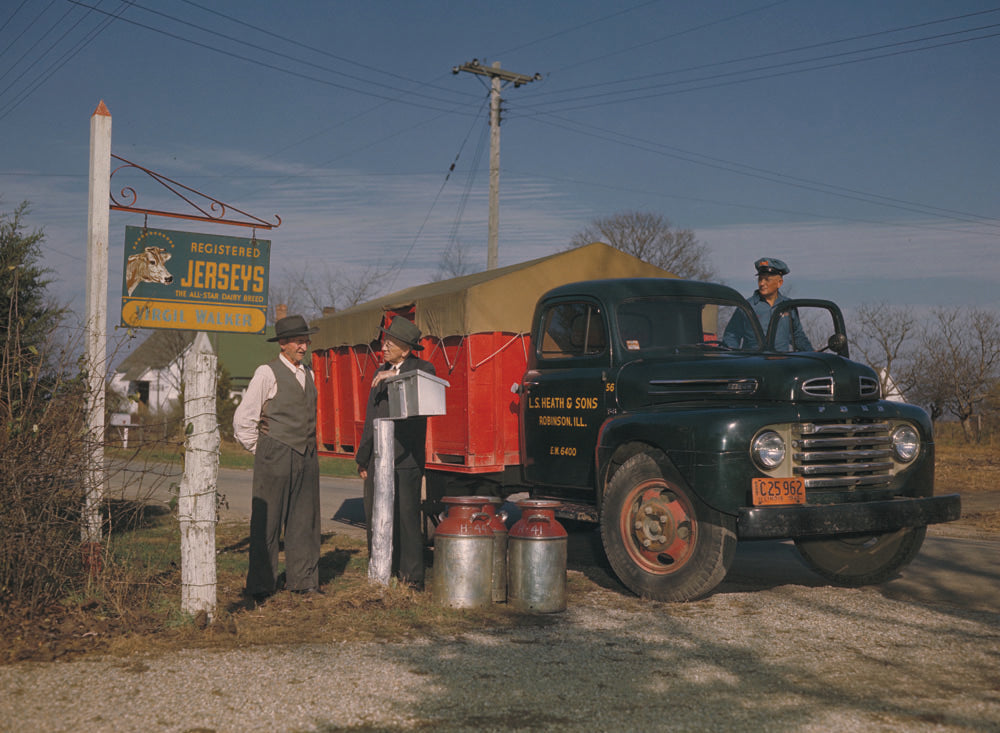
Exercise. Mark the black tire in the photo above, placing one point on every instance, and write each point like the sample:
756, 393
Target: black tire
856, 560
661, 540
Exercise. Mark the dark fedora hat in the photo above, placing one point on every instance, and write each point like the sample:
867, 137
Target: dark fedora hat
291, 327
404, 331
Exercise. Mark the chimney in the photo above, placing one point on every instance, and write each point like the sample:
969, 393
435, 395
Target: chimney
280, 311
329, 310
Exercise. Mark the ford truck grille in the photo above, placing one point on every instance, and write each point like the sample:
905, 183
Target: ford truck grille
849, 454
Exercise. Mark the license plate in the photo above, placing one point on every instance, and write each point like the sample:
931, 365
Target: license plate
770, 491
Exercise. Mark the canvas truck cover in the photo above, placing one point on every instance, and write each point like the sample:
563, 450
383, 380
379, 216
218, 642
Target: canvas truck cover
498, 300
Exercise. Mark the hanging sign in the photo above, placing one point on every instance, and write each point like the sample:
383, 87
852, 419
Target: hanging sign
198, 282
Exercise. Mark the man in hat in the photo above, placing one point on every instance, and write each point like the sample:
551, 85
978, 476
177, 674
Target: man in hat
790, 336
276, 421
399, 341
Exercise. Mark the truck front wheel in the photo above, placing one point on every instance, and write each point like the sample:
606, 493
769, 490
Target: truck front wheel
856, 560
661, 540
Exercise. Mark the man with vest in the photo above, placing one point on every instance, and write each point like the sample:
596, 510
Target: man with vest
276, 421
790, 335
400, 340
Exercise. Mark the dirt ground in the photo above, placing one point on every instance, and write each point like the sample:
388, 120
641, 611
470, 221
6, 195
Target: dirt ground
68, 631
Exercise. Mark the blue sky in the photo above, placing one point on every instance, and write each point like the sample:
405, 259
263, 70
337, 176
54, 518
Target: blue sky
855, 140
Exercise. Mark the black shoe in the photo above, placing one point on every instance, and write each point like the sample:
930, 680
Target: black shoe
418, 587
256, 597
309, 592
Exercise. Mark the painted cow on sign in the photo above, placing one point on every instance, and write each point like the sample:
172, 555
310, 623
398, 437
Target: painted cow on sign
147, 266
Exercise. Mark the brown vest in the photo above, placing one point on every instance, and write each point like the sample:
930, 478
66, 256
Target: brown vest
290, 416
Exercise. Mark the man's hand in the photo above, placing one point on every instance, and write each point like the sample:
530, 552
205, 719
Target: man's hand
382, 376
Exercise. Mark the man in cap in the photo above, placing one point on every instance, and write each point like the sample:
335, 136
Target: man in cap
276, 421
790, 336
400, 340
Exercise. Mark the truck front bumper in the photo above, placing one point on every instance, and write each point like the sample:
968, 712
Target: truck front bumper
773, 522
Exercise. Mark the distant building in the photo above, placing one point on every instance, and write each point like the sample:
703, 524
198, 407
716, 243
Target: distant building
152, 374
891, 390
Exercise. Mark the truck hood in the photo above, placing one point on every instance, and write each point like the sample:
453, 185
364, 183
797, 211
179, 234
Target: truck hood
740, 377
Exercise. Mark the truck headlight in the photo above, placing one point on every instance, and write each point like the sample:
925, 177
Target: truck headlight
905, 443
768, 450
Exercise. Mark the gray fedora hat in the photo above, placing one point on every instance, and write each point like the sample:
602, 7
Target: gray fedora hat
404, 331
291, 327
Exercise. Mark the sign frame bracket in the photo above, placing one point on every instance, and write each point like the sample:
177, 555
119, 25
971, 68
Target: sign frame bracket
212, 210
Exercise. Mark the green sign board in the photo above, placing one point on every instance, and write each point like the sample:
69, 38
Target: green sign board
199, 282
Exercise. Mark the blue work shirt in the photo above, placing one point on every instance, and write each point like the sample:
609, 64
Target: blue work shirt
739, 333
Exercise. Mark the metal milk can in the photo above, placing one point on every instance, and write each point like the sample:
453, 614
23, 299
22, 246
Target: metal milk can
536, 560
499, 527
463, 554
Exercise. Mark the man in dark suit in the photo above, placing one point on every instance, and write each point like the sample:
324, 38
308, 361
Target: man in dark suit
399, 342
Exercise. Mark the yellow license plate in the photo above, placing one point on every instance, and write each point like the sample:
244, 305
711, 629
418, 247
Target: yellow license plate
770, 491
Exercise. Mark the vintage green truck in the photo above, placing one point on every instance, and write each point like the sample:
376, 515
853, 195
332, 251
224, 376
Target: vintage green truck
633, 413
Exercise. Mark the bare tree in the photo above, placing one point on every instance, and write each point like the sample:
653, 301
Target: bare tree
454, 262
310, 292
959, 364
884, 341
650, 237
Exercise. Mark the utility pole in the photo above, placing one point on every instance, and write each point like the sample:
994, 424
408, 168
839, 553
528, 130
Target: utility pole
496, 76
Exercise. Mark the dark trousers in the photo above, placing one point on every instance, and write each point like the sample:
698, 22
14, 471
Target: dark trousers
407, 534
285, 494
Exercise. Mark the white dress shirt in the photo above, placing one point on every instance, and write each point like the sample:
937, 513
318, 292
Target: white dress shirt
262, 387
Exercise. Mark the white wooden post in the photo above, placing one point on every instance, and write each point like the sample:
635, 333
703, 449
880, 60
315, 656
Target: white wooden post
197, 501
380, 562
98, 214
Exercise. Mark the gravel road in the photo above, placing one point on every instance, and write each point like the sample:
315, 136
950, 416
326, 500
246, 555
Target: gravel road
792, 657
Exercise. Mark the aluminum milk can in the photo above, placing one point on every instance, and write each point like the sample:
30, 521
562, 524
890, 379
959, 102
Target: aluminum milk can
536, 560
463, 554
499, 528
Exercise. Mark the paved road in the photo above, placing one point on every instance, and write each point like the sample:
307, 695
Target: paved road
339, 498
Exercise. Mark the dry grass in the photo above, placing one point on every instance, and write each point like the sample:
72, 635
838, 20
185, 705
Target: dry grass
133, 605
974, 472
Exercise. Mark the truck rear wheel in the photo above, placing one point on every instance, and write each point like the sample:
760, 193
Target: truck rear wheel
661, 540
856, 560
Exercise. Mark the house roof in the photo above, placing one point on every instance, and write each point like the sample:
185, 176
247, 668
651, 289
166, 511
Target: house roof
239, 353
502, 299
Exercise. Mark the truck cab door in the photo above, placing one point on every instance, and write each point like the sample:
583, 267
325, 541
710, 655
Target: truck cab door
564, 396
807, 324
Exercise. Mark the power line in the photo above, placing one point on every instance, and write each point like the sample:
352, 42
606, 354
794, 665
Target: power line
322, 51
732, 204
770, 176
48, 72
754, 57
621, 97
273, 67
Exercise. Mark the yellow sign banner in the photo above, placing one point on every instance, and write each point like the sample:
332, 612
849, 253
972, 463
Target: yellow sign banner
148, 313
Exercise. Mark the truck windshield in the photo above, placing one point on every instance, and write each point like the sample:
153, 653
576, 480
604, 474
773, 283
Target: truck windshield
670, 323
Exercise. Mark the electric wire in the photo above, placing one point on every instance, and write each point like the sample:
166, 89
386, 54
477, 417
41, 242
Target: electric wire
771, 176
399, 266
760, 56
11, 17
16, 101
324, 52
710, 82
281, 69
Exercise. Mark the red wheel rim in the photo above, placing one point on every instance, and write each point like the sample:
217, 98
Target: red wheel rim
658, 527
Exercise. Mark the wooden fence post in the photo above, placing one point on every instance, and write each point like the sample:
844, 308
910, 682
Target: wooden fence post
197, 501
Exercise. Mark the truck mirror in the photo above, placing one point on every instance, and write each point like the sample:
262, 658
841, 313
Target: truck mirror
837, 343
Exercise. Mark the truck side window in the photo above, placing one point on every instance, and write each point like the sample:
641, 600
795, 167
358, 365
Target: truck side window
572, 329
